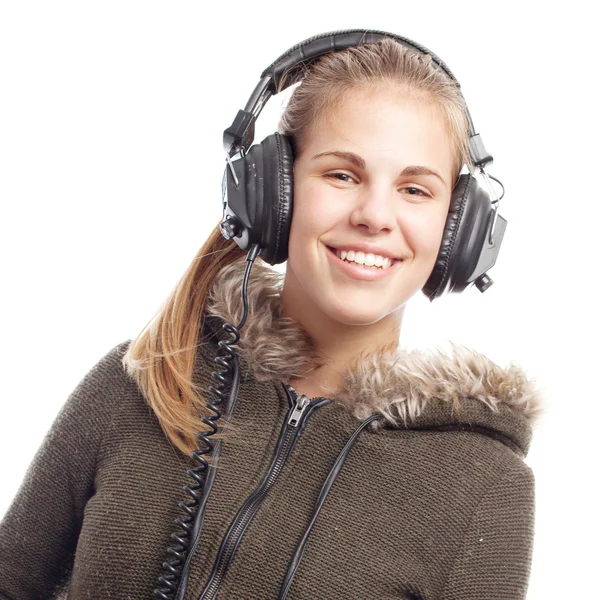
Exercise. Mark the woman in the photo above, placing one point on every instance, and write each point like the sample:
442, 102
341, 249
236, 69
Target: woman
346, 467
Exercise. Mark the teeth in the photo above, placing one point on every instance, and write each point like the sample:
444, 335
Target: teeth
361, 258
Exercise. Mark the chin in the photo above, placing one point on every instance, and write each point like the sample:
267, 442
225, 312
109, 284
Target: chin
348, 312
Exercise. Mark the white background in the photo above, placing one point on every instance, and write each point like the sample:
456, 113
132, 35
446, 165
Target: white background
111, 118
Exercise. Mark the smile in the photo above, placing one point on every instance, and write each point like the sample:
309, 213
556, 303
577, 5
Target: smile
357, 271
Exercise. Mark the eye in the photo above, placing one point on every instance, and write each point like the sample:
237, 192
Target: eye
343, 177
415, 191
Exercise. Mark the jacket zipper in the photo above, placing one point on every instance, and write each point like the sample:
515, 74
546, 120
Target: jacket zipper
300, 409
325, 489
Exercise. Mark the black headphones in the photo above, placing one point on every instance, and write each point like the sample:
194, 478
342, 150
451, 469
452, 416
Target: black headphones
259, 184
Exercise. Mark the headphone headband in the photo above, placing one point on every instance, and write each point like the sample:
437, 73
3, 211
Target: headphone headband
309, 50
292, 63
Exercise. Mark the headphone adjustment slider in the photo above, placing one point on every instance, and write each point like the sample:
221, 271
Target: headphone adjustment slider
240, 134
494, 202
479, 154
230, 164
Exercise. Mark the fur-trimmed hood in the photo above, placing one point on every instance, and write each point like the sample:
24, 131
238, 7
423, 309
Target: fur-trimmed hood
411, 389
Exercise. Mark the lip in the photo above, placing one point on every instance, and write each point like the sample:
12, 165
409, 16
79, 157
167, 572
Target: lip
360, 272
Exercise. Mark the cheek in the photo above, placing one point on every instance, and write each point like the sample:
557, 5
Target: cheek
302, 230
424, 232
313, 212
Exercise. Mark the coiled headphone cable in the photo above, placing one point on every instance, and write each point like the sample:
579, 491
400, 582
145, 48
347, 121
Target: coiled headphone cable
177, 554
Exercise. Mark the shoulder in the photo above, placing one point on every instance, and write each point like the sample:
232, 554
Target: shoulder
100, 387
87, 412
465, 467
109, 373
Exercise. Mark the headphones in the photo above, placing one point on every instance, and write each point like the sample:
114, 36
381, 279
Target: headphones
259, 184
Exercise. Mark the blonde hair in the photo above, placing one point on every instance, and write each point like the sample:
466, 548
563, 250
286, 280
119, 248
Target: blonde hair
384, 64
161, 358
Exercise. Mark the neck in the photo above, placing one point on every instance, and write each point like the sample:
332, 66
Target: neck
337, 344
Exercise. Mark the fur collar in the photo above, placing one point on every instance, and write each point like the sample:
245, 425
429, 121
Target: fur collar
409, 388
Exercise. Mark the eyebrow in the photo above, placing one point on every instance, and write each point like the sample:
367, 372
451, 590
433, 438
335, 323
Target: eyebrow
411, 171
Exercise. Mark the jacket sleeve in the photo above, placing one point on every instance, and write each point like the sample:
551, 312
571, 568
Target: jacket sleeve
494, 560
38, 534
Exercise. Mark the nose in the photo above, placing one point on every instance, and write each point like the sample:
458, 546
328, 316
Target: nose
376, 208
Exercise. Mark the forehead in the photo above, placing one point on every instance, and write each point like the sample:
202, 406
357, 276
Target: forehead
384, 125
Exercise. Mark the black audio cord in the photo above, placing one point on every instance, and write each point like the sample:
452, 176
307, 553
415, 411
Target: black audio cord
177, 554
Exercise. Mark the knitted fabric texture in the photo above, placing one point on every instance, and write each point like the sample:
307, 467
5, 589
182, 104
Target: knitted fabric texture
438, 503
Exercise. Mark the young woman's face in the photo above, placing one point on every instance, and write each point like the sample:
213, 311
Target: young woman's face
378, 173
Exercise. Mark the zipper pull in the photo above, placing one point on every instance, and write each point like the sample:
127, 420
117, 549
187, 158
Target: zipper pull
301, 403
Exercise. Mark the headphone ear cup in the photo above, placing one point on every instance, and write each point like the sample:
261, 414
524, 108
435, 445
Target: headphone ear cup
463, 239
278, 162
259, 203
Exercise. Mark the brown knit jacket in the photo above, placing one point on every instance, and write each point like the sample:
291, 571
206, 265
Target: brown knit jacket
410, 484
